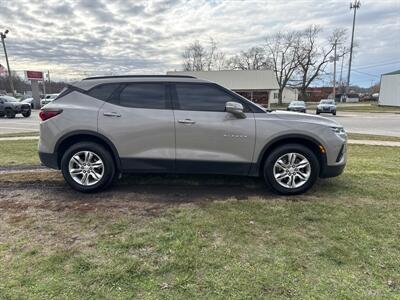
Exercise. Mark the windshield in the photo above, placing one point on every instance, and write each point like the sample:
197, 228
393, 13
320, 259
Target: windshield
300, 103
327, 102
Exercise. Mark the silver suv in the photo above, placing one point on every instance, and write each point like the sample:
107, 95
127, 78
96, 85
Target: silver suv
101, 127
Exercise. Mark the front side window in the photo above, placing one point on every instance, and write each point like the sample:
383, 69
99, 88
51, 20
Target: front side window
144, 95
201, 97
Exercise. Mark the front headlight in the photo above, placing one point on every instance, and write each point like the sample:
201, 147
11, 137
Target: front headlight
339, 131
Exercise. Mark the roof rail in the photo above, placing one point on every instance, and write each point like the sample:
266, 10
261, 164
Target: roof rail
138, 76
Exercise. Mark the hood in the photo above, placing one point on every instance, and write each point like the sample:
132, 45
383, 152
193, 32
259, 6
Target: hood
299, 117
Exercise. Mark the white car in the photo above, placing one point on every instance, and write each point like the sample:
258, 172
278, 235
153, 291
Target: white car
47, 99
28, 101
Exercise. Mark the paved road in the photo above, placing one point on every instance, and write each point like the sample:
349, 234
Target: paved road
370, 123
20, 124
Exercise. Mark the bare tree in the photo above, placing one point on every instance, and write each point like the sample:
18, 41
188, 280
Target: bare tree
313, 57
197, 57
253, 59
281, 51
194, 57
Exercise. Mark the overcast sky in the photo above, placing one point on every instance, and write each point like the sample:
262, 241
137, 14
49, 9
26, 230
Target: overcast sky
76, 38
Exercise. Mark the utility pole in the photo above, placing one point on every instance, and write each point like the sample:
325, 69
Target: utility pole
355, 5
3, 36
48, 78
334, 69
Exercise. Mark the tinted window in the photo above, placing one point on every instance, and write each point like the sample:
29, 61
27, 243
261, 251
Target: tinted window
144, 95
201, 97
104, 91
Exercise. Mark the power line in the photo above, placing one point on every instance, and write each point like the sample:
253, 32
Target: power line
365, 73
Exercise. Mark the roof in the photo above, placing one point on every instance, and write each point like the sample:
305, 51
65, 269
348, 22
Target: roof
237, 79
392, 73
136, 76
90, 82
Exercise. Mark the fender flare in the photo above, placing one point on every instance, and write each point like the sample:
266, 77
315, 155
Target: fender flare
277, 139
94, 134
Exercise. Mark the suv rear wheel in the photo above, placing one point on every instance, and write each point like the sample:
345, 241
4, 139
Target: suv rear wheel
88, 167
291, 169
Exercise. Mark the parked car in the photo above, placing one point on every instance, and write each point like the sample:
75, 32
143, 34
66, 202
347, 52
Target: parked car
28, 101
47, 99
9, 106
101, 127
326, 106
351, 98
299, 106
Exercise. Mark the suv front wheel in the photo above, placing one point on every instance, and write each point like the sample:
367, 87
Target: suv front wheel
87, 167
291, 169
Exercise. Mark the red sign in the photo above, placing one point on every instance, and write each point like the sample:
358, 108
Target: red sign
34, 75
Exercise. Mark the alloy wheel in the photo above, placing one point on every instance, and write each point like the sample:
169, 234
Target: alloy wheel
86, 168
292, 170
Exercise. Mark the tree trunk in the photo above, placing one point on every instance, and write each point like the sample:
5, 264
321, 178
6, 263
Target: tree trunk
303, 94
280, 94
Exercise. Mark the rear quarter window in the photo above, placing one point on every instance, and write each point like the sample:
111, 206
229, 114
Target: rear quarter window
104, 91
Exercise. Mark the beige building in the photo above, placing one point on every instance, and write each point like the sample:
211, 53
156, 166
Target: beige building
259, 86
389, 93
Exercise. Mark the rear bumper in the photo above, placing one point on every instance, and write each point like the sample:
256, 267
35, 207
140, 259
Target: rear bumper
49, 160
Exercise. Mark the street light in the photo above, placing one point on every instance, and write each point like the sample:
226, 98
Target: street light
3, 36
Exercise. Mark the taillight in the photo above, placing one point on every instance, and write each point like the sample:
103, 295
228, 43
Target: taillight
48, 114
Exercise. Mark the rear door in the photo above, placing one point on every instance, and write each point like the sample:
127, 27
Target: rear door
139, 120
208, 139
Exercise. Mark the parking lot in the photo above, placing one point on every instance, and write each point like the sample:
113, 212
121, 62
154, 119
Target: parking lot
357, 122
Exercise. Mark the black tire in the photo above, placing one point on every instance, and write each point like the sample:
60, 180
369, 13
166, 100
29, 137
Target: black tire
105, 156
282, 150
317, 112
10, 114
2, 115
27, 114
334, 113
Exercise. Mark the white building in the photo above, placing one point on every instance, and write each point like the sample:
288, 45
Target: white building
257, 85
389, 93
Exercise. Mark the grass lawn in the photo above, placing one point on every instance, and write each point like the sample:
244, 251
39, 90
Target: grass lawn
340, 240
16, 134
367, 107
373, 137
19, 153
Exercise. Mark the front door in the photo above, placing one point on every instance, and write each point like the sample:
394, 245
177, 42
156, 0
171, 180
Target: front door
139, 121
208, 139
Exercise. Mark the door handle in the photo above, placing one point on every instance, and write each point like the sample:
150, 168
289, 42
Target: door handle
111, 114
186, 121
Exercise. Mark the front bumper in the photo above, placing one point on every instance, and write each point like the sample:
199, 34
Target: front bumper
49, 160
332, 171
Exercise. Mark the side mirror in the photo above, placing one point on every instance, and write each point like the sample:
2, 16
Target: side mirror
236, 109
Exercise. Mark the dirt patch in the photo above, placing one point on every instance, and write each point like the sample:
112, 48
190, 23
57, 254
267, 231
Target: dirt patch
142, 195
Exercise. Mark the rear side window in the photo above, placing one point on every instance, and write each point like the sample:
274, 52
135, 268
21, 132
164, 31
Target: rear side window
144, 95
201, 97
104, 91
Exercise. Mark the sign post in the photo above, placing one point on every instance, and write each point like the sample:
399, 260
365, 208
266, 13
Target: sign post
34, 77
